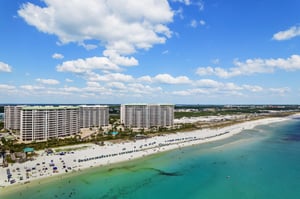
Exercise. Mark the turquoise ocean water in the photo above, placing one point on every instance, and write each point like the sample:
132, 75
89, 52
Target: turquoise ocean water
260, 163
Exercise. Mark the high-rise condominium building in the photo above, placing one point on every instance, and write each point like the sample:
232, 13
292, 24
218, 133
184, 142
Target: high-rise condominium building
46, 122
147, 115
93, 116
12, 117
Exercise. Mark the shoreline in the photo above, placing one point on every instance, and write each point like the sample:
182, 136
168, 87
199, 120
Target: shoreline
94, 156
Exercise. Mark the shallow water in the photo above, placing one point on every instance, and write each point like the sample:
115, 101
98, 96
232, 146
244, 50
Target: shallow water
259, 163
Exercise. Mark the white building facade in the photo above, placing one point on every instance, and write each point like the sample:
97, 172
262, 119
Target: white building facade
46, 122
12, 118
147, 115
93, 116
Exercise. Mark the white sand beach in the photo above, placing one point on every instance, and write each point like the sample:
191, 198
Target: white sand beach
92, 155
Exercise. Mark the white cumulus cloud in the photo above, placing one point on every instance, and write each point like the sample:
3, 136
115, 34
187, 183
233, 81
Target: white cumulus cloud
6, 87
208, 83
168, 79
116, 85
57, 56
48, 81
143, 89
194, 23
68, 80
217, 71
88, 64
192, 91
198, 3
4, 67
202, 22
212, 88
93, 84
253, 88
290, 33
31, 87
118, 77
146, 79
70, 89
252, 66
280, 91
120, 60
212, 84
186, 2
123, 27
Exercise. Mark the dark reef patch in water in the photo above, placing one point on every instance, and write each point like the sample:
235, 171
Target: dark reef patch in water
85, 181
121, 168
123, 191
219, 163
292, 137
164, 173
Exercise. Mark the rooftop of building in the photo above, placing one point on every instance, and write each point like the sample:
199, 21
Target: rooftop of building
145, 104
49, 107
94, 106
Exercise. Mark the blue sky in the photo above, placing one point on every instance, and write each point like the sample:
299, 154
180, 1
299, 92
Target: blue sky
156, 51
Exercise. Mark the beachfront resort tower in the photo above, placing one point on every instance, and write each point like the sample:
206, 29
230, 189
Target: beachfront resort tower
12, 117
93, 116
46, 122
147, 115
